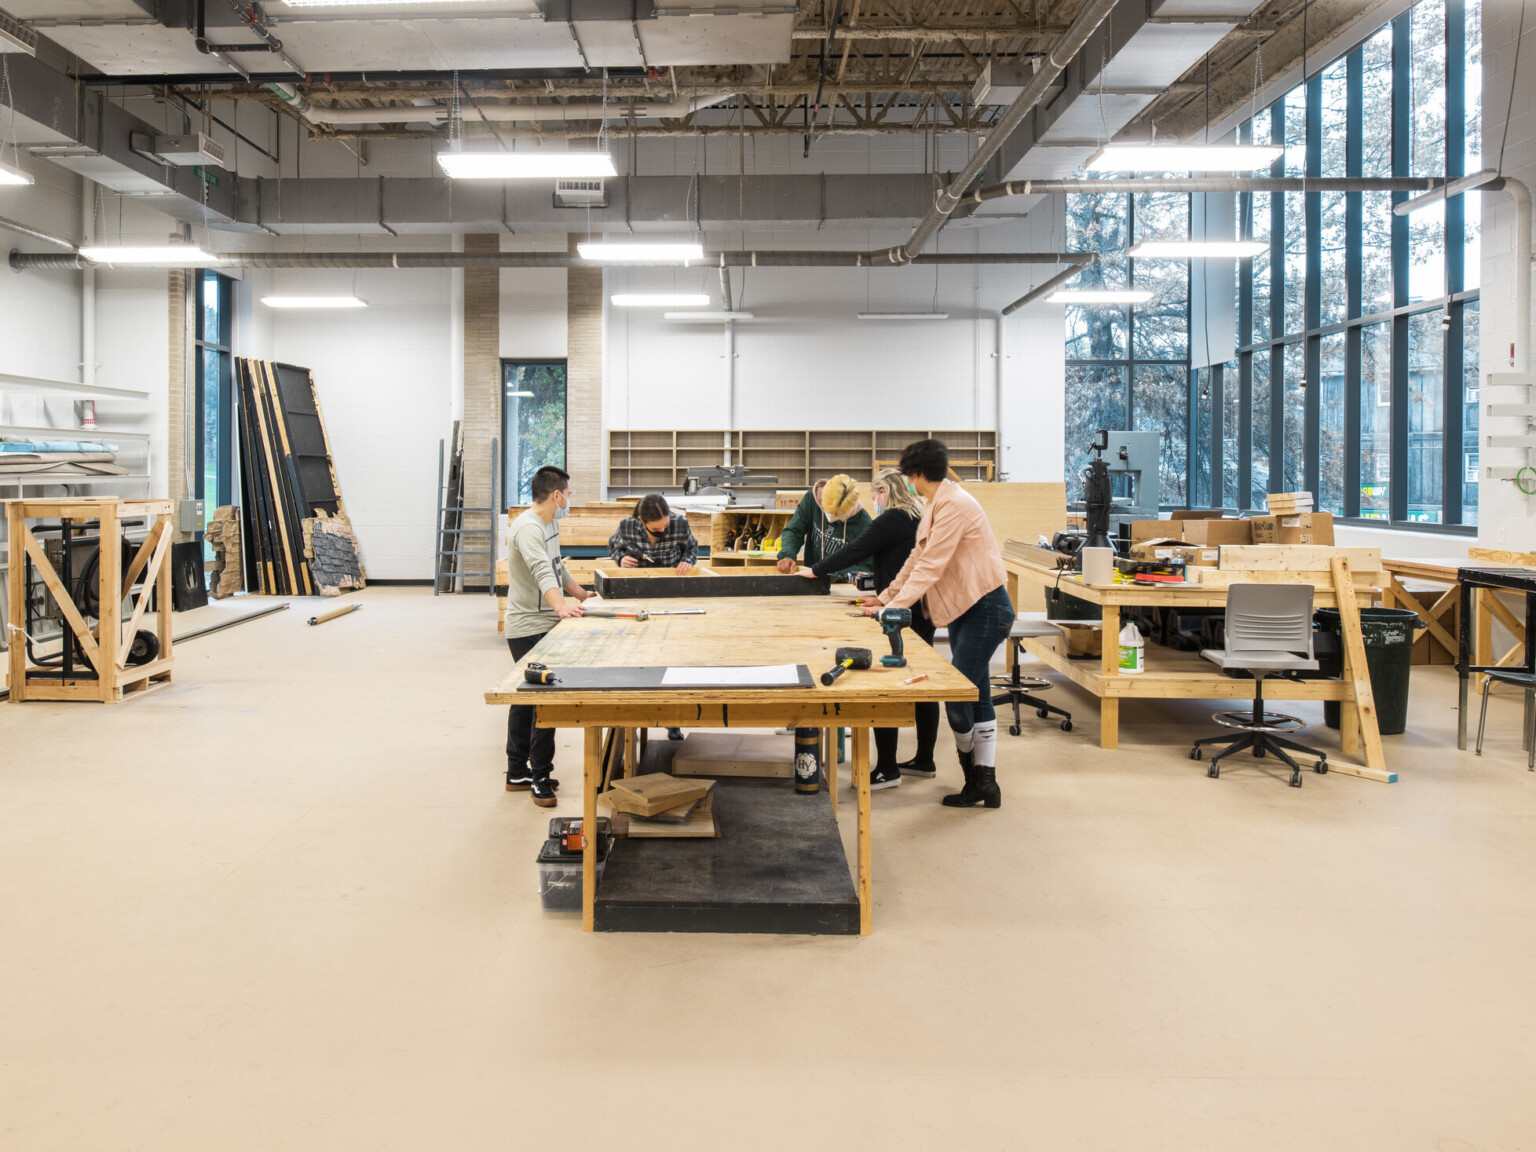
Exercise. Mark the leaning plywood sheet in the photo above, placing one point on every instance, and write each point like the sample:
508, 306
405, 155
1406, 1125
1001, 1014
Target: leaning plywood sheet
287, 476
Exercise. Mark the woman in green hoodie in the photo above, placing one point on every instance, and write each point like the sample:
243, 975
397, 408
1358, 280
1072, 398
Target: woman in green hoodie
828, 518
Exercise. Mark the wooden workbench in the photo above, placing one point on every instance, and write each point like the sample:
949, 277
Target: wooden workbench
1184, 675
732, 631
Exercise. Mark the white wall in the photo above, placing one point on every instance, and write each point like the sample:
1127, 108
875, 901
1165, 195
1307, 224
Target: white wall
1506, 518
383, 377
806, 361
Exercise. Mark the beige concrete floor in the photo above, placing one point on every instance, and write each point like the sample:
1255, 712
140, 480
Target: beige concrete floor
286, 904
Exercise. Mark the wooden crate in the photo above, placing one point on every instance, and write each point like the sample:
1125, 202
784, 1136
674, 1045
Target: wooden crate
106, 646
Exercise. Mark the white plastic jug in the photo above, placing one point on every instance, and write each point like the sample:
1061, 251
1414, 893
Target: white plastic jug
1133, 651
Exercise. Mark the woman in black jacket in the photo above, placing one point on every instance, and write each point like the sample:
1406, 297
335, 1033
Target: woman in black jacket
885, 544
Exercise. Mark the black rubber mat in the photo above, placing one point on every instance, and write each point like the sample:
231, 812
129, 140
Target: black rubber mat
777, 866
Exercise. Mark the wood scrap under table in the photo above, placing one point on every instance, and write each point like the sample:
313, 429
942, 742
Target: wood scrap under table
734, 631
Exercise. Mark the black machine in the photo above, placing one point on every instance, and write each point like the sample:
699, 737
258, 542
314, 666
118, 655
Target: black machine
1098, 495
76, 556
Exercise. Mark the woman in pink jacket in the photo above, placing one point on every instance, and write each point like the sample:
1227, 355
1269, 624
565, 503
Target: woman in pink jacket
957, 572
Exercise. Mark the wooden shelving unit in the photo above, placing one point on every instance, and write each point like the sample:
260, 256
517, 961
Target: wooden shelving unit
640, 460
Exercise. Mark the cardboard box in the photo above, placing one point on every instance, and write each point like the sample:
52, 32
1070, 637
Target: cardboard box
1173, 526
1213, 533
1300, 528
1166, 549
1080, 641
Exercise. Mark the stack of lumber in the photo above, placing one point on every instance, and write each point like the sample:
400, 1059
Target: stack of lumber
1289, 503
658, 805
223, 534
286, 474
1291, 564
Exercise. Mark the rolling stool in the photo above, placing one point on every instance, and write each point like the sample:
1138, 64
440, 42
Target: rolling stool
1017, 689
1526, 682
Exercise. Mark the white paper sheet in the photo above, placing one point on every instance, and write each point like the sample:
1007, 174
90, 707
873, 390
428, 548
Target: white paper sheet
751, 676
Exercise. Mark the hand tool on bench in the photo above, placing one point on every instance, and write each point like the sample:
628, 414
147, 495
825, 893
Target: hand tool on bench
539, 674
858, 658
892, 621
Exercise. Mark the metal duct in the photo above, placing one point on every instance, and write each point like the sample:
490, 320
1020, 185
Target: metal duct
1215, 184
746, 259
1083, 25
24, 230
1035, 293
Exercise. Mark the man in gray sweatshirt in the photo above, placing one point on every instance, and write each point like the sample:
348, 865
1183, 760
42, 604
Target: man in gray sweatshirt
537, 589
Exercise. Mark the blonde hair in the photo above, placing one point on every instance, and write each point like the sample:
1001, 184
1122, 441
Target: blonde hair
897, 494
840, 498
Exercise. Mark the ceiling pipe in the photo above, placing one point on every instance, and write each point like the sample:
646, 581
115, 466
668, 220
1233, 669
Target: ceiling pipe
1035, 293
1216, 184
436, 114
25, 230
1084, 24
21, 261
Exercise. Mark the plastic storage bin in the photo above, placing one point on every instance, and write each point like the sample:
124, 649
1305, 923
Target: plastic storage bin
560, 874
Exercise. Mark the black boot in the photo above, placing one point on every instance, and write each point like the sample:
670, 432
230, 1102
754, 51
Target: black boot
980, 787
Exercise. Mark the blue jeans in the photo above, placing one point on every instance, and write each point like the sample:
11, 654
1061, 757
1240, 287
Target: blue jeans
974, 637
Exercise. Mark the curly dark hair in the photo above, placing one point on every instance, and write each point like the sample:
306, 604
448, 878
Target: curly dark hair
926, 458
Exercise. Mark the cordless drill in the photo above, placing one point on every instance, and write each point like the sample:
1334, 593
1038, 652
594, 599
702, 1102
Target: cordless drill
892, 621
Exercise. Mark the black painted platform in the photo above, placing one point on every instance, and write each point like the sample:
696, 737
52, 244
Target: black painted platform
778, 866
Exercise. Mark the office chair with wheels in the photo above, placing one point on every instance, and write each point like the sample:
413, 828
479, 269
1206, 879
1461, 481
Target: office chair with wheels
1269, 631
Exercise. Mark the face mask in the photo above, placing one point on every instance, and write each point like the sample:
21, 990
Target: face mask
879, 498
911, 490
563, 509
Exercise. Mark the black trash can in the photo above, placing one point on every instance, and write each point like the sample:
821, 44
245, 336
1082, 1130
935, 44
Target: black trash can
1389, 635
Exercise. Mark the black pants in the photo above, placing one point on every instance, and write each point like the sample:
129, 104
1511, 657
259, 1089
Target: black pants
527, 745
927, 714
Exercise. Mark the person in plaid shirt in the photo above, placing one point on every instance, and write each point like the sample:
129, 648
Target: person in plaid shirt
654, 537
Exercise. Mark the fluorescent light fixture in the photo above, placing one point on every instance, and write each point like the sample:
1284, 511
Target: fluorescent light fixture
163, 255
659, 300
1199, 249
707, 317
618, 252
1183, 157
525, 395
9, 175
903, 315
313, 302
1098, 296
525, 165
374, 3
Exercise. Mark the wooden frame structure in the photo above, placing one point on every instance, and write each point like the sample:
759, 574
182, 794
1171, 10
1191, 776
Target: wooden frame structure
731, 632
1183, 675
104, 646
1485, 605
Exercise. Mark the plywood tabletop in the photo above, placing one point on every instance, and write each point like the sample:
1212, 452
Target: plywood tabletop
736, 631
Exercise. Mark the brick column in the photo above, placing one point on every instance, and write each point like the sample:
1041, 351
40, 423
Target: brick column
482, 382
584, 447
176, 447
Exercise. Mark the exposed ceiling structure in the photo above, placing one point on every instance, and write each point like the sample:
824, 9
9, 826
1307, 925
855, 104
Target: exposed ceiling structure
517, 69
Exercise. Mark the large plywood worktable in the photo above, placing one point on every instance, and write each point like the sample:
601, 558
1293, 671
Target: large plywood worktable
1184, 675
732, 631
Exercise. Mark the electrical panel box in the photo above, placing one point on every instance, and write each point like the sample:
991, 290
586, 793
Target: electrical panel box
192, 519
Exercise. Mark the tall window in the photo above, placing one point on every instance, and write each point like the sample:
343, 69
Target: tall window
1357, 370
532, 423
1128, 365
215, 404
